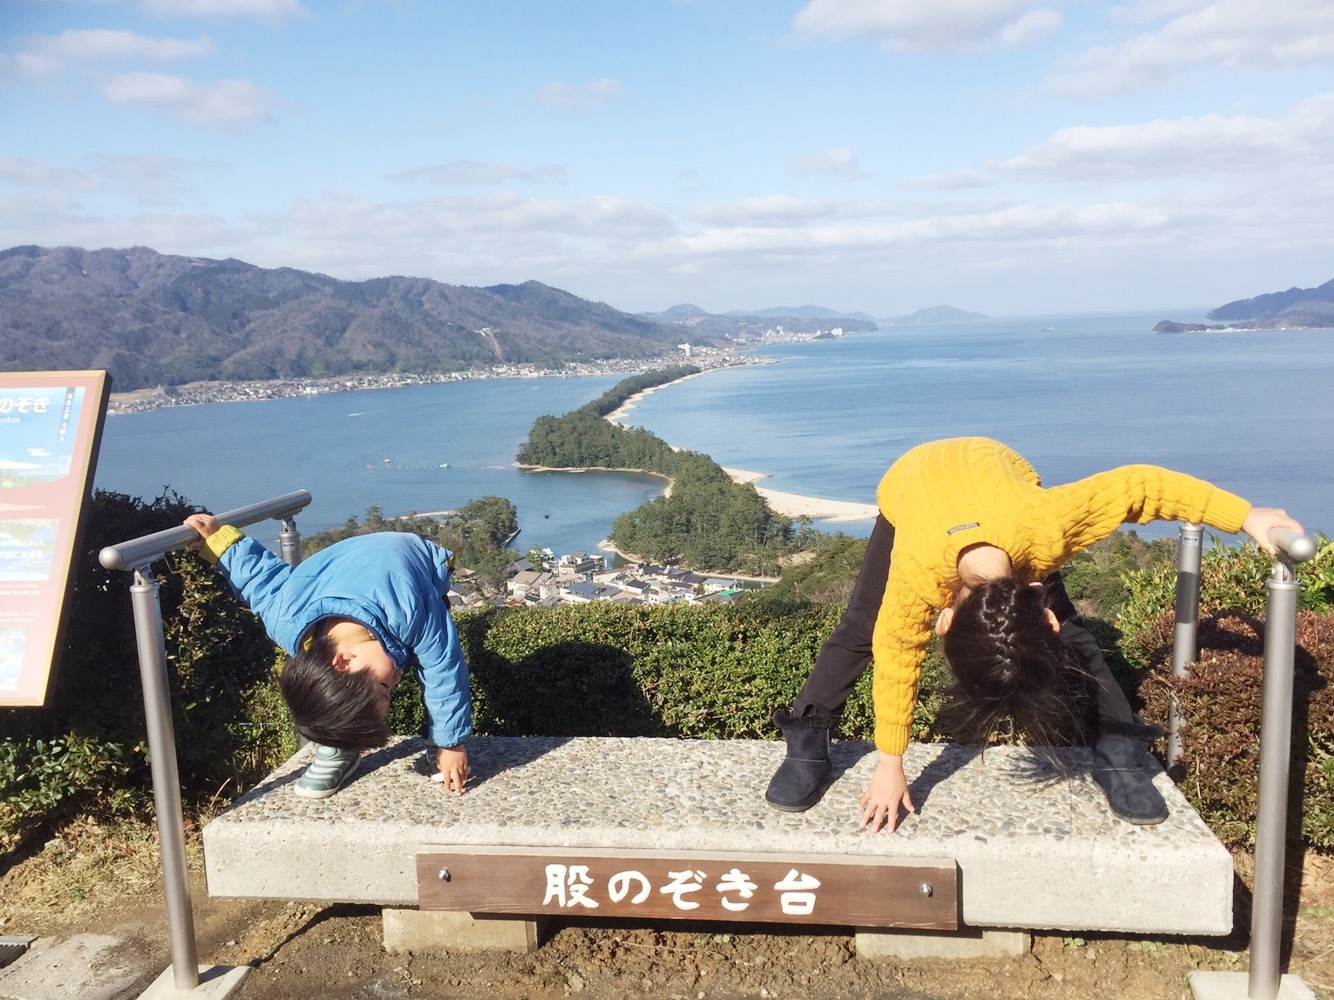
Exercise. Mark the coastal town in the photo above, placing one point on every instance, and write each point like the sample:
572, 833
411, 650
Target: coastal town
584, 577
193, 393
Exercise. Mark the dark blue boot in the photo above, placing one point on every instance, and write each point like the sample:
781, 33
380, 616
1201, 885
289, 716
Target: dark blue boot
805, 773
1119, 757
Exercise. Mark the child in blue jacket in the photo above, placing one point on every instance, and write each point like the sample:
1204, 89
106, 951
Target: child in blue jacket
352, 616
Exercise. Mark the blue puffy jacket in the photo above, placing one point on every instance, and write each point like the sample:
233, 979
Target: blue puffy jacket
392, 582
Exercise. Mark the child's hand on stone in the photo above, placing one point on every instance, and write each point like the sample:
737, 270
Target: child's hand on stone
453, 764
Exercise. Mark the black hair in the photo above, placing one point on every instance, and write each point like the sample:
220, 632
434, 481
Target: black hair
332, 707
1008, 664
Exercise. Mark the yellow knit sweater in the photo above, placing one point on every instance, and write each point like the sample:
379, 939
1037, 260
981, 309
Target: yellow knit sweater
946, 495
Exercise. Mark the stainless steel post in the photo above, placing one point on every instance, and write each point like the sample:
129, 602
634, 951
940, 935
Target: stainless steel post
166, 777
137, 556
289, 542
1271, 816
1186, 635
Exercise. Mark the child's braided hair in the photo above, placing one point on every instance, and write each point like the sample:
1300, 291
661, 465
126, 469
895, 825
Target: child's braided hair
1009, 664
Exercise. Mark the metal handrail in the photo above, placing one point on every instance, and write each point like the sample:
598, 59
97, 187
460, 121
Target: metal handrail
145, 549
136, 556
1280, 640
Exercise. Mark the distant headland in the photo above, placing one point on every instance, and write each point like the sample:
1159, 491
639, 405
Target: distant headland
1295, 309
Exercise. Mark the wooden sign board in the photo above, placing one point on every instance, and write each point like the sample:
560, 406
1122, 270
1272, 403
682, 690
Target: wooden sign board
828, 890
50, 425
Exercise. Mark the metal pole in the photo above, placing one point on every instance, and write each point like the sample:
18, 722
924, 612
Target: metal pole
289, 542
1185, 637
137, 556
289, 545
166, 778
1271, 818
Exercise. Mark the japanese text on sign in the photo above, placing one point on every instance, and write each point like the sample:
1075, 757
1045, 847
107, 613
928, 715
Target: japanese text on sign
576, 886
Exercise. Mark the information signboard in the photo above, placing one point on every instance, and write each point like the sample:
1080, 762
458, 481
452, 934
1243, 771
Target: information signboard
50, 426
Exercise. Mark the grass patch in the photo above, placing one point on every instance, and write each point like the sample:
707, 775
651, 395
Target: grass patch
89, 866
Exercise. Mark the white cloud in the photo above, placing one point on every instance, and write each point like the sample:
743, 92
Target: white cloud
951, 180
773, 211
599, 93
501, 219
33, 174
915, 25
1210, 144
50, 53
155, 178
225, 103
473, 172
1029, 28
842, 160
262, 10
1232, 34
147, 178
1004, 224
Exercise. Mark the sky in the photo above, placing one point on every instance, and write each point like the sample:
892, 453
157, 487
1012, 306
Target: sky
1009, 157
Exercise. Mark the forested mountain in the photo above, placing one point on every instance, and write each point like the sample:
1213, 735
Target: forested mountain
1299, 306
154, 319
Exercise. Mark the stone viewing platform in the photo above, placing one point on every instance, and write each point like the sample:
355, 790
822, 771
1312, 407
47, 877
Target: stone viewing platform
1022, 853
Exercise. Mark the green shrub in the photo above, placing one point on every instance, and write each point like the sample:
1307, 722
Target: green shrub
1220, 696
1220, 700
702, 671
698, 671
85, 751
1232, 578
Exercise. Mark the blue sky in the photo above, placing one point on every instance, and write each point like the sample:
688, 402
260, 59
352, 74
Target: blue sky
1003, 156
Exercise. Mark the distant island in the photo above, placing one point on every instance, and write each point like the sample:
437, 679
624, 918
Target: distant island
935, 316
763, 324
1295, 309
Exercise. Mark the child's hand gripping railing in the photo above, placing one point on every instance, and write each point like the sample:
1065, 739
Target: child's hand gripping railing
1275, 743
137, 556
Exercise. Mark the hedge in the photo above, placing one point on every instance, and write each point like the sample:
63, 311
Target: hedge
699, 671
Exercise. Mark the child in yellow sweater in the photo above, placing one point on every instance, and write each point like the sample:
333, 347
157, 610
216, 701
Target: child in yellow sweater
976, 543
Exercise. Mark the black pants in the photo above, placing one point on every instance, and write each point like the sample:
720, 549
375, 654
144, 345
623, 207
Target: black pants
847, 651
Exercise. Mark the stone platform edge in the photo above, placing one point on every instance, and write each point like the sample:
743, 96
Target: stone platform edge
1034, 851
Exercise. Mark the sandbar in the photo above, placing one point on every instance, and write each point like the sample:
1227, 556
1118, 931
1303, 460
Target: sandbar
796, 505
787, 504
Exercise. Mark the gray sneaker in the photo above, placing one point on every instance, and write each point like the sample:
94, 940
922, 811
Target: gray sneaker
330, 769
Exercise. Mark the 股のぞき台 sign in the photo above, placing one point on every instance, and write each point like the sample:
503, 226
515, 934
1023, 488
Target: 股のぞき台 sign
689, 885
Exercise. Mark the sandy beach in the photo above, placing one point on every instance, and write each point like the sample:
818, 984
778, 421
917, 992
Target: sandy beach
787, 504
796, 505
617, 415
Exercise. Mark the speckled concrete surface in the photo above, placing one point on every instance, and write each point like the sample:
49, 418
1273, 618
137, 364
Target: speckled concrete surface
1034, 849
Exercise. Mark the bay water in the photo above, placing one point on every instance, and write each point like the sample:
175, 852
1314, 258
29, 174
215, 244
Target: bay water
1252, 412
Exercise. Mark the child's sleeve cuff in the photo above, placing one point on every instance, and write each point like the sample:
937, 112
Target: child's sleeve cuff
219, 542
891, 739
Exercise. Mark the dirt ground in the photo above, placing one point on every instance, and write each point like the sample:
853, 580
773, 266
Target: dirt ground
297, 950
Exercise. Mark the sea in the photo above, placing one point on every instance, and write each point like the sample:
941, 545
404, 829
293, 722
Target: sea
1250, 411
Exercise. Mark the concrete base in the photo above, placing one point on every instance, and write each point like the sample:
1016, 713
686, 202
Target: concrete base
1236, 986
216, 982
1034, 850
442, 930
87, 966
971, 942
